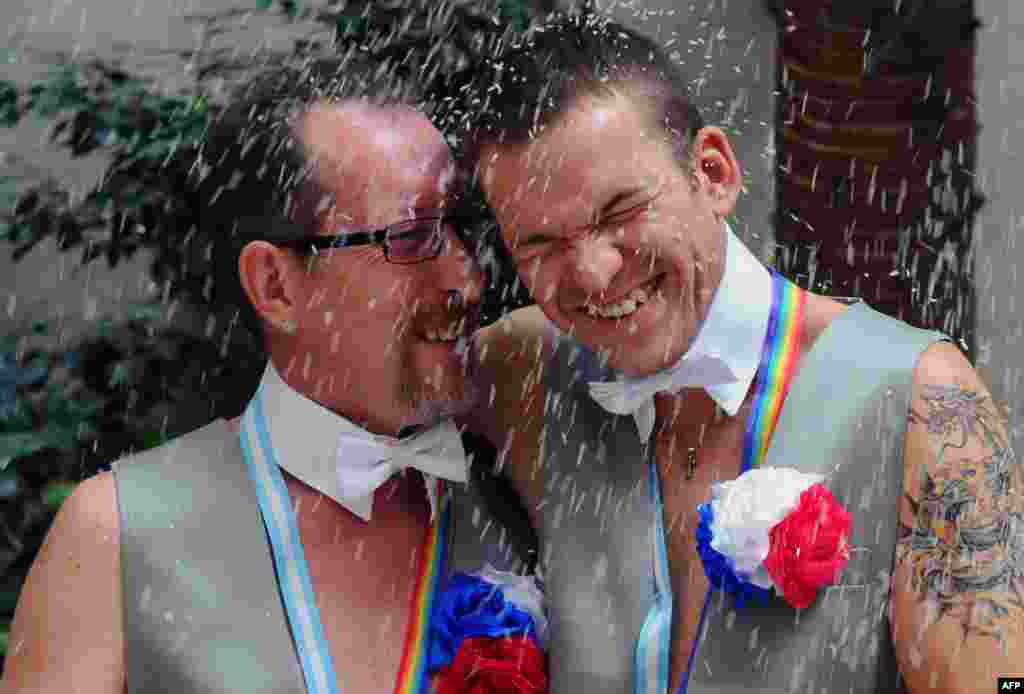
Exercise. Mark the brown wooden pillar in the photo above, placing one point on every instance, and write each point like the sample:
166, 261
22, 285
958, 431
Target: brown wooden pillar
876, 152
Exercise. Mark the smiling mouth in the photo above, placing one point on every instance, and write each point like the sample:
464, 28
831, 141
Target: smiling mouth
448, 333
626, 306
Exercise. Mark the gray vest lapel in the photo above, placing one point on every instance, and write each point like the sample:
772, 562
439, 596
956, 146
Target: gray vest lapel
202, 610
476, 537
597, 558
844, 417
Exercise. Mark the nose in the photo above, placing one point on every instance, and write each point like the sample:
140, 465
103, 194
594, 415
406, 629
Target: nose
459, 271
594, 261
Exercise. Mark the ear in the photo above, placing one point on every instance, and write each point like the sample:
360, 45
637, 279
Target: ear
717, 169
271, 277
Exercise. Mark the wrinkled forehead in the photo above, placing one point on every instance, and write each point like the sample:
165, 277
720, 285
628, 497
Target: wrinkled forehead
375, 160
596, 145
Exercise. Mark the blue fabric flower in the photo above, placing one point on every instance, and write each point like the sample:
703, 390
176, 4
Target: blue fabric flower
719, 569
470, 606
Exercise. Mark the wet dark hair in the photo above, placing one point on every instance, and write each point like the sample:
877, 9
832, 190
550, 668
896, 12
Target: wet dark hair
254, 178
534, 82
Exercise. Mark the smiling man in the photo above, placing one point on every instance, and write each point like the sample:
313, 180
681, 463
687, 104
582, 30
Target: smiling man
648, 372
288, 550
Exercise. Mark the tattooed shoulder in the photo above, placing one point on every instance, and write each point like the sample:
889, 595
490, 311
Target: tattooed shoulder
966, 498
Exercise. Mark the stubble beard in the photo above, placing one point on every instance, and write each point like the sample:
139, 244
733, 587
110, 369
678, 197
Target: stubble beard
427, 407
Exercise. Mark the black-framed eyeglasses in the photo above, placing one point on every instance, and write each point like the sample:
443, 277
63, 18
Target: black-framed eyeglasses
405, 243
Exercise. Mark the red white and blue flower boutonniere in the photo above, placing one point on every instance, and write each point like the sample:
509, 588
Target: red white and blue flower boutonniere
773, 528
488, 634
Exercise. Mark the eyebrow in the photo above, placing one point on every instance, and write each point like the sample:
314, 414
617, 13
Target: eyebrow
619, 197
612, 203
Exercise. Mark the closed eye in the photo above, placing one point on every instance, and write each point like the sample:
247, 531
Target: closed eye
625, 213
531, 245
534, 240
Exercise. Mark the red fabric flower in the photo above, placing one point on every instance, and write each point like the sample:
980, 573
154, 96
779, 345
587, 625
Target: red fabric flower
809, 547
484, 665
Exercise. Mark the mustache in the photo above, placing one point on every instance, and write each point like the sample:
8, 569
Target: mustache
457, 307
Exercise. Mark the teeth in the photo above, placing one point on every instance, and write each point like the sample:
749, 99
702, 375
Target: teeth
449, 334
631, 303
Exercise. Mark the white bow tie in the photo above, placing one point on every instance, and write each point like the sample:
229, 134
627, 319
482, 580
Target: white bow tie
636, 395
364, 463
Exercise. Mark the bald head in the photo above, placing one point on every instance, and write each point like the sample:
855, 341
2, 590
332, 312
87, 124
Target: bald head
375, 163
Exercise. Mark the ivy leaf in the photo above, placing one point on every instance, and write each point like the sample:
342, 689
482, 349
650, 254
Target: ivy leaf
56, 493
145, 312
121, 374
8, 601
515, 13
23, 443
347, 26
9, 113
152, 439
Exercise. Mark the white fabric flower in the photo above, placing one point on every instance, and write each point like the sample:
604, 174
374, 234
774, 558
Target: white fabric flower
747, 508
524, 593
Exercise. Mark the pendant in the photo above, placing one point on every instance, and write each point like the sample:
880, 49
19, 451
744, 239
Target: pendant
691, 463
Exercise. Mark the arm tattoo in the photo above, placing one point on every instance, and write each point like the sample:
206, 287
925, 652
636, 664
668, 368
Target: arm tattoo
966, 549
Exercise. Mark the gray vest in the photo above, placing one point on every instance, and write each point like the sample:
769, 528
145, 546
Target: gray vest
203, 613
202, 609
844, 417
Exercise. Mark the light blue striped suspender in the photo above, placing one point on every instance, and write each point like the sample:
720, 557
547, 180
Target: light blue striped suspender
292, 570
653, 647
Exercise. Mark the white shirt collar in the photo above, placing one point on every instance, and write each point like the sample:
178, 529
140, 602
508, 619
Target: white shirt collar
305, 436
725, 353
737, 322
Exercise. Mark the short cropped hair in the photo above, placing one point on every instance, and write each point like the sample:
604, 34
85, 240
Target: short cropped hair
534, 82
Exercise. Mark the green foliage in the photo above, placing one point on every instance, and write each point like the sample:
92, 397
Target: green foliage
517, 15
56, 493
36, 413
151, 138
9, 113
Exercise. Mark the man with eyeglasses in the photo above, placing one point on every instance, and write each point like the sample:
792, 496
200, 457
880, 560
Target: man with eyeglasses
286, 550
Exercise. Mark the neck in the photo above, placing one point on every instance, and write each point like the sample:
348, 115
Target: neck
381, 419
677, 412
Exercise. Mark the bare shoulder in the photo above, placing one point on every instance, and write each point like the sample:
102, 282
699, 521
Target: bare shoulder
942, 363
511, 355
958, 605
819, 313
955, 428
525, 331
67, 632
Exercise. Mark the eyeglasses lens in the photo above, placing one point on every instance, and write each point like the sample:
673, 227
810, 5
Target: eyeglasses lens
415, 240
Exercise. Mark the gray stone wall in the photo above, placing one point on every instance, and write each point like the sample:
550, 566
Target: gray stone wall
999, 255
150, 37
